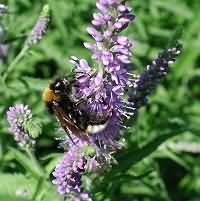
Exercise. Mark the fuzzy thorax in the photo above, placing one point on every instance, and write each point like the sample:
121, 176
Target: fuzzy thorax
48, 95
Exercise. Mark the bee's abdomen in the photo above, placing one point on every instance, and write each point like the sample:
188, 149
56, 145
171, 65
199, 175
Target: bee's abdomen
75, 114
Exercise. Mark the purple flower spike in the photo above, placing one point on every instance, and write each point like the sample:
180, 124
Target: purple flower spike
104, 87
17, 117
152, 75
95, 34
69, 170
40, 27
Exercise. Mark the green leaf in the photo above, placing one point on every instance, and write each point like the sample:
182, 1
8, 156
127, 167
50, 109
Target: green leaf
89, 150
176, 36
33, 127
179, 9
15, 187
131, 156
135, 156
169, 154
35, 83
26, 162
52, 164
49, 193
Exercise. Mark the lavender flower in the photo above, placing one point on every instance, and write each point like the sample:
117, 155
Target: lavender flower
17, 117
40, 27
145, 83
70, 169
104, 89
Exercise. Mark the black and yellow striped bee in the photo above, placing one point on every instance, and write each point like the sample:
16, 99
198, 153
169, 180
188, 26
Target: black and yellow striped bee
71, 112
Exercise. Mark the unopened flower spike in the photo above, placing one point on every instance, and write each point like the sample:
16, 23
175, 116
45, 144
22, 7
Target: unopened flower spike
153, 74
21, 125
40, 27
35, 36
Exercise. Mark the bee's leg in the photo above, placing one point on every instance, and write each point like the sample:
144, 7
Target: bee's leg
69, 135
59, 116
84, 99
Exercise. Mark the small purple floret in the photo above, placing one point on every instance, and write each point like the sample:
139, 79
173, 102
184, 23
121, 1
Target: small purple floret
17, 117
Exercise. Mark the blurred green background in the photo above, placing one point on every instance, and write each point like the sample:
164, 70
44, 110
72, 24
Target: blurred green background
169, 173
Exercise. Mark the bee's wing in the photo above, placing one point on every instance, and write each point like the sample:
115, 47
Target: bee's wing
68, 125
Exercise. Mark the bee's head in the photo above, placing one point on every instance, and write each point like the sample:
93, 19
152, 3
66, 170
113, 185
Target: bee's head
59, 86
54, 91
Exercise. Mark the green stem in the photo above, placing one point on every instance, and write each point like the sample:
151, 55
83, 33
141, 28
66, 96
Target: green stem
160, 188
41, 178
15, 61
35, 161
38, 188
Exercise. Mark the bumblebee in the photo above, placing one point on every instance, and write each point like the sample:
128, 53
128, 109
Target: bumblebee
70, 111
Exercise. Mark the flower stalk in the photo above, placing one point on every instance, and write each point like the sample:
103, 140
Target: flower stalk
35, 36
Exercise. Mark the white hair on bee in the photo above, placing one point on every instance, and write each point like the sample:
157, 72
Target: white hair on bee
95, 128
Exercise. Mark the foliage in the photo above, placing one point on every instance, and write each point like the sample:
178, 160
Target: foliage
151, 167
